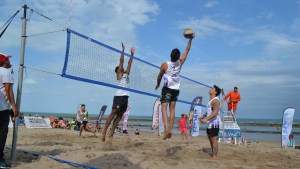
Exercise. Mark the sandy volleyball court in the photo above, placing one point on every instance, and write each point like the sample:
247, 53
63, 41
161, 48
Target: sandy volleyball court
145, 151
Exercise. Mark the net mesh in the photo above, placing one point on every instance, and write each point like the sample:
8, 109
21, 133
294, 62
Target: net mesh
91, 61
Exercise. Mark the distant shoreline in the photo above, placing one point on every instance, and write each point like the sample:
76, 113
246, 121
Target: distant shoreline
149, 119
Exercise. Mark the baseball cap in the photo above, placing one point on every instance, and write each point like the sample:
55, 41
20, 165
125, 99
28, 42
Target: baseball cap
3, 57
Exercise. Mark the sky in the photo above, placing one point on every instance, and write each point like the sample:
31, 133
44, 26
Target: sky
251, 44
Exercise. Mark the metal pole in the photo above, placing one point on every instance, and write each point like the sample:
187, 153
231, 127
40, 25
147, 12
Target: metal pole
20, 83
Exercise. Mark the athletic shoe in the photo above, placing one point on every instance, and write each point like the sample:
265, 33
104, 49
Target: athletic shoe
4, 165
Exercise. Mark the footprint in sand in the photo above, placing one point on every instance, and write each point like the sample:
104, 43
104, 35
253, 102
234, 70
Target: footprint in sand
172, 151
107, 146
138, 144
206, 150
90, 155
128, 140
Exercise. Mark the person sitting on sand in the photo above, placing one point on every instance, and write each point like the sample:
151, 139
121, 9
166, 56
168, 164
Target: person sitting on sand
61, 123
99, 128
21, 120
90, 126
68, 125
125, 131
55, 123
137, 132
73, 123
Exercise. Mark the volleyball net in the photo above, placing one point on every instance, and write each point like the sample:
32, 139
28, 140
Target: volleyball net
91, 61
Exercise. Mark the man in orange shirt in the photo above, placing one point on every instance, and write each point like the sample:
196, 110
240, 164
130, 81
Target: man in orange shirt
234, 98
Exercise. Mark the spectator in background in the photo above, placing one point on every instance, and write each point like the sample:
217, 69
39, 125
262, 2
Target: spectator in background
21, 119
7, 102
234, 98
61, 123
182, 126
73, 123
137, 132
291, 142
55, 123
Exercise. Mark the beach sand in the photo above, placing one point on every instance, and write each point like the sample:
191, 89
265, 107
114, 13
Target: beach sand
145, 151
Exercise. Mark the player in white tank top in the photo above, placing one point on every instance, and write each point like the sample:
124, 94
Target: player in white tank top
83, 116
215, 121
171, 76
170, 72
123, 82
120, 101
212, 118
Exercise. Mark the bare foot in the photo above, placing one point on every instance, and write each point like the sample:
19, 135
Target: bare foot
165, 136
103, 137
169, 135
214, 158
110, 138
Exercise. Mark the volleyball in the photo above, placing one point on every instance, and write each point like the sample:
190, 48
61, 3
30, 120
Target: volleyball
188, 33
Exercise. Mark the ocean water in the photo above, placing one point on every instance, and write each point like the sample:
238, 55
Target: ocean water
253, 129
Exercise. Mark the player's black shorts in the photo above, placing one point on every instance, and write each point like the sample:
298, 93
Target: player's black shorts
169, 95
84, 123
120, 103
212, 131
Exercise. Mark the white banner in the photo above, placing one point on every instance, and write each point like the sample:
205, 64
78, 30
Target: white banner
156, 113
287, 124
197, 114
37, 122
126, 114
157, 121
230, 130
161, 127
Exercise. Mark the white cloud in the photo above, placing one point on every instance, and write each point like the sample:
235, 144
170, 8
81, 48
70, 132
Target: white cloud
274, 44
30, 81
108, 21
206, 26
266, 14
211, 4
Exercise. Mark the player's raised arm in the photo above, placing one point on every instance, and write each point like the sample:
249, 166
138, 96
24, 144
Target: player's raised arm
186, 52
132, 51
120, 68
